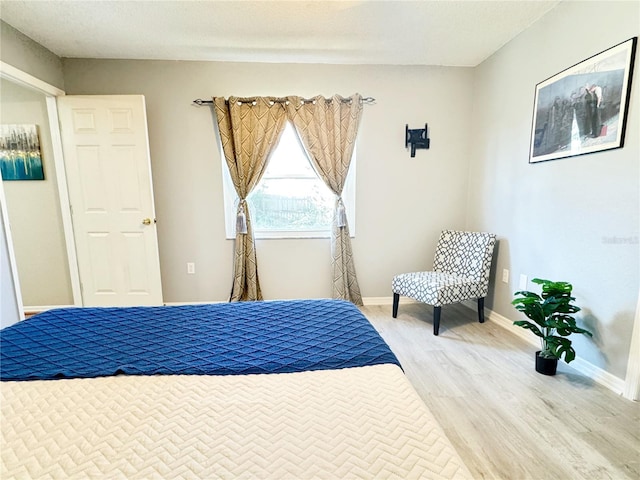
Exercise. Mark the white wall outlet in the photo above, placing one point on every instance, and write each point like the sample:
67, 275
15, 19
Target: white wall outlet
505, 275
523, 281
191, 268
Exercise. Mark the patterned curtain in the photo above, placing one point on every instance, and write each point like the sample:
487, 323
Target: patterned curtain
328, 129
249, 131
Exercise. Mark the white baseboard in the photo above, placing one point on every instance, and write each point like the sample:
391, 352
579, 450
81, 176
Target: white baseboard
507, 324
377, 300
385, 300
365, 300
586, 368
177, 304
44, 308
599, 375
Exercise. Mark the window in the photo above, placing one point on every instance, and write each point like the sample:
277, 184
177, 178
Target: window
290, 201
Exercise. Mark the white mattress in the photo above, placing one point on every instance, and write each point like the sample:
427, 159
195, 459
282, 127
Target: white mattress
365, 422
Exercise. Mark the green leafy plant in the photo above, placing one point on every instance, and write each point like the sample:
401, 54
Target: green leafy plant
551, 315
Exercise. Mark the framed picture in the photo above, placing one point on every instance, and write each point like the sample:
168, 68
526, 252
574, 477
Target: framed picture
20, 155
583, 109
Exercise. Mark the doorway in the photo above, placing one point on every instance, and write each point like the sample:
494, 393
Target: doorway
127, 260
40, 238
34, 209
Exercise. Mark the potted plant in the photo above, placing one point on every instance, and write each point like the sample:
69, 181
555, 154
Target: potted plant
552, 321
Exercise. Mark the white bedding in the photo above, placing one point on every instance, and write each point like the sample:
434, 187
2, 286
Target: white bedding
365, 422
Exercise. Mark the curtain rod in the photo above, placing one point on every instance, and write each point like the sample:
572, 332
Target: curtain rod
200, 102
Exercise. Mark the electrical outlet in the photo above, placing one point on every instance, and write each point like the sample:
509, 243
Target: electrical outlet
523, 281
191, 268
505, 275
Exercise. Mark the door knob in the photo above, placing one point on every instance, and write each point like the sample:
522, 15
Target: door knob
146, 221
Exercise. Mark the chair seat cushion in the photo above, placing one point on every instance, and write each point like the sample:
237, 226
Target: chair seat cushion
437, 288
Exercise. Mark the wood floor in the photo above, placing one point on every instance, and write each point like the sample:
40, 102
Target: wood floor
505, 420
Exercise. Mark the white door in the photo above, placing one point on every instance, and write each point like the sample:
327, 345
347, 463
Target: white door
106, 156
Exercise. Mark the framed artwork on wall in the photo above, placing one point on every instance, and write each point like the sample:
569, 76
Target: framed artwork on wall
20, 155
583, 109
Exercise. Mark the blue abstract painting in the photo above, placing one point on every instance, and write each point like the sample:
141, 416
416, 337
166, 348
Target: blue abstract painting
20, 155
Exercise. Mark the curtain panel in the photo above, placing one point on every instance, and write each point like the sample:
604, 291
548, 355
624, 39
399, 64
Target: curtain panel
327, 128
249, 131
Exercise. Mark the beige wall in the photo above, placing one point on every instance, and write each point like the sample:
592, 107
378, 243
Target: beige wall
34, 209
554, 219
23, 53
402, 202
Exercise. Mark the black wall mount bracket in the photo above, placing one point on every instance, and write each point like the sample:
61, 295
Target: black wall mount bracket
417, 138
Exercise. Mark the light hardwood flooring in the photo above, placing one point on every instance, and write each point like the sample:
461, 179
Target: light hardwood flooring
505, 420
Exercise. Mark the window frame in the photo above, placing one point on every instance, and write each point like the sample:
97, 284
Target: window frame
231, 199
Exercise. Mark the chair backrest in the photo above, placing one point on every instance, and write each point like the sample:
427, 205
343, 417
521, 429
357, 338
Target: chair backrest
467, 254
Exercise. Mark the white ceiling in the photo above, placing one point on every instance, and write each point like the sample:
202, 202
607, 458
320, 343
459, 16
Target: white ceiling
425, 32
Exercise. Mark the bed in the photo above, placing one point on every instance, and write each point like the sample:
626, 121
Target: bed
281, 389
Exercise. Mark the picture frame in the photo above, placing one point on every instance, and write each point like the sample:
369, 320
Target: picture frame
584, 108
20, 153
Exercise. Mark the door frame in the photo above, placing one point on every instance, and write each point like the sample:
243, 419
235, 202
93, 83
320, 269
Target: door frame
12, 257
17, 76
632, 379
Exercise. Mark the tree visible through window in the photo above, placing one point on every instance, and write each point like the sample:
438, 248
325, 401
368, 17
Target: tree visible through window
290, 195
290, 200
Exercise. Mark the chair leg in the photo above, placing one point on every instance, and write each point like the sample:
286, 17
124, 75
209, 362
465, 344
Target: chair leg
481, 310
436, 320
396, 300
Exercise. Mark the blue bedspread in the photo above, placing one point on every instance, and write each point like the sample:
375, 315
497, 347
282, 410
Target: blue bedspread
220, 339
